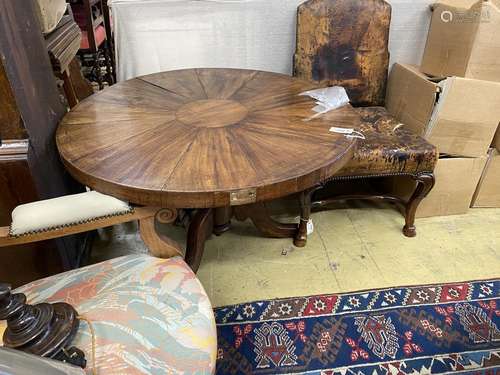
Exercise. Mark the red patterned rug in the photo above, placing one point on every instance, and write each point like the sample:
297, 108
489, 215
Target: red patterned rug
433, 329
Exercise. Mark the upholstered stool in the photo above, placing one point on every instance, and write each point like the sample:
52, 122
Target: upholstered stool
389, 149
150, 315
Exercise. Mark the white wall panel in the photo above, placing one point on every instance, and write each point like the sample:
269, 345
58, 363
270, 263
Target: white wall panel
158, 35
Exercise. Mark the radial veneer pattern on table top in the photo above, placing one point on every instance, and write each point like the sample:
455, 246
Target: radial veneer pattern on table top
190, 138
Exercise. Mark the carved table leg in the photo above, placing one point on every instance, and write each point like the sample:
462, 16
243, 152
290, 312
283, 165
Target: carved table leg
300, 239
200, 228
262, 220
159, 245
425, 183
222, 220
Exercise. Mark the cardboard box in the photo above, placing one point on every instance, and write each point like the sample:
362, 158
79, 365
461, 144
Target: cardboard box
488, 189
456, 182
457, 115
464, 40
496, 140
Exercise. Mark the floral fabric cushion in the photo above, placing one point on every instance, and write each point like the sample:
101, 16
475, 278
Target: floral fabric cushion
150, 315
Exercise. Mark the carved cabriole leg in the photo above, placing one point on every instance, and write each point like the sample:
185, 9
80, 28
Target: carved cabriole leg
159, 245
200, 228
260, 217
300, 239
425, 183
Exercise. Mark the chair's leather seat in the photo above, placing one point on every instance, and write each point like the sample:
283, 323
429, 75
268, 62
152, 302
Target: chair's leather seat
150, 315
389, 148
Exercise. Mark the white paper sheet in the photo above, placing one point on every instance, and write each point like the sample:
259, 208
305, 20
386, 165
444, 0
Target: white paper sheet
328, 98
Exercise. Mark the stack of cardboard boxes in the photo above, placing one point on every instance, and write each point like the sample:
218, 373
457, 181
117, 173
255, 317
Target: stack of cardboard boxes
453, 101
488, 190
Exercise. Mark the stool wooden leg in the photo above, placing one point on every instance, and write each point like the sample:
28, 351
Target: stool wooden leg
159, 245
425, 183
300, 239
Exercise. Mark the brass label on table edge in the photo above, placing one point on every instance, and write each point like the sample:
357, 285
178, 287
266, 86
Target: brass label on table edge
243, 196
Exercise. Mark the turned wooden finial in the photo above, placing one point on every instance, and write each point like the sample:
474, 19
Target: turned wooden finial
43, 329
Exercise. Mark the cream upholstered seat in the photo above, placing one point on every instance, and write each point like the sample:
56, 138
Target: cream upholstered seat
64, 211
150, 315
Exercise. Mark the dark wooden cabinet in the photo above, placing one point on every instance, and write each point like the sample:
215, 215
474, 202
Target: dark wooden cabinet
30, 169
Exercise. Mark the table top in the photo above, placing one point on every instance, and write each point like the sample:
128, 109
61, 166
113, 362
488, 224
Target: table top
203, 138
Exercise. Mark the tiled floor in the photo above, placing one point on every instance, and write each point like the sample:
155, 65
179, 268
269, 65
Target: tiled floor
354, 248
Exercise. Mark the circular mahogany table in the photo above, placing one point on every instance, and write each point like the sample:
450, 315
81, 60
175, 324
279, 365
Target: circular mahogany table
204, 138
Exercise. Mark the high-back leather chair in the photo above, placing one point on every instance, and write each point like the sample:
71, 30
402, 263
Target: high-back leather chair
345, 43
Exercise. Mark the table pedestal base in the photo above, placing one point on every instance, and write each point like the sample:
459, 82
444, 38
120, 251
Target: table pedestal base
218, 221
158, 244
200, 228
